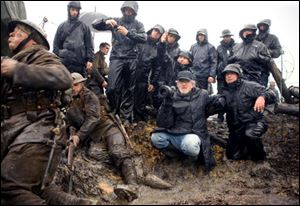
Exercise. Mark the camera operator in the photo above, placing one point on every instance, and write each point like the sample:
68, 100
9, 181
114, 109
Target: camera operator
181, 120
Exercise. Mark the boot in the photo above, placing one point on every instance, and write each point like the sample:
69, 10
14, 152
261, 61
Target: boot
128, 192
54, 196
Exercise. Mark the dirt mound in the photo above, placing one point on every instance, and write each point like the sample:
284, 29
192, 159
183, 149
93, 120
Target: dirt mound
274, 181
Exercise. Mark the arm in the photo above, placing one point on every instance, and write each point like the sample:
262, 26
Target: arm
213, 61
57, 44
89, 45
275, 49
139, 36
92, 116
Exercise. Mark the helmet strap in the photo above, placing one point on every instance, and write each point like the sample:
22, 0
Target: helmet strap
23, 43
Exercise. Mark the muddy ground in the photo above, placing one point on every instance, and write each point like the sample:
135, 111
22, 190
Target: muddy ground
274, 181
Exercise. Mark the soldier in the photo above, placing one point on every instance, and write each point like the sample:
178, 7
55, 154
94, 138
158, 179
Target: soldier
73, 42
272, 43
127, 32
31, 84
245, 102
252, 55
94, 129
205, 60
97, 79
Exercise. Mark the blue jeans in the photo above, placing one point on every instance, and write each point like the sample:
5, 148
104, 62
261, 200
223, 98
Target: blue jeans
189, 144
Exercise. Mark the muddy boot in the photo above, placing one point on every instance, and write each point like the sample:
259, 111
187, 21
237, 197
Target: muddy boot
128, 192
54, 196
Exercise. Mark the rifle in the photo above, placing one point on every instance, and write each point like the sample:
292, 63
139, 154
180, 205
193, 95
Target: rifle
71, 148
57, 131
117, 121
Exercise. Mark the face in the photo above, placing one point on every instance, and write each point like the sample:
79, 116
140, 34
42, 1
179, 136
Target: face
185, 86
201, 37
226, 39
74, 12
128, 11
183, 60
247, 32
262, 27
155, 34
105, 49
171, 38
77, 88
16, 37
231, 77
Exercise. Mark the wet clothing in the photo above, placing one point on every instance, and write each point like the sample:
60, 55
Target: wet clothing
93, 129
272, 43
224, 50
147, 72
98, 75
253, 56
29, 105
76, 48
186, 114
122, 73
204, 63
240, 99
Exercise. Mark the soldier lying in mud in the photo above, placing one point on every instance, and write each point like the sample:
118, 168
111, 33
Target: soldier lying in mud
95, 126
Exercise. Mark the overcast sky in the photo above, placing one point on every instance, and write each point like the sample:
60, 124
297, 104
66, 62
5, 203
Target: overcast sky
188, 17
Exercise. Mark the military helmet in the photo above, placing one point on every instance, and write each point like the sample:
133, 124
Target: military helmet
158, 27
131, 4
236, 68
77, 78
174, 32
74, 4
265, 21
202, 31
226, 32
37, 30
187, 55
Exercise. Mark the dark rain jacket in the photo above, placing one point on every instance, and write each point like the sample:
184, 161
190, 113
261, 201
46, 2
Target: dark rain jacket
272, 43
186, 114
124, 47
224, 50
77, 48
204, 59
240, 100
169, 66
253, 57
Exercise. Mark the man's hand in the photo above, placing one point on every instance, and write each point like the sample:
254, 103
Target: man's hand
104, 84
89, 65
122, 30
150, 88
211, 80
163, 37
259, 104
111, 22
8, 67
75, 139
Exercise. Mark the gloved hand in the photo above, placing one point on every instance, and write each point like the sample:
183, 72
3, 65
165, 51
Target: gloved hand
255, 131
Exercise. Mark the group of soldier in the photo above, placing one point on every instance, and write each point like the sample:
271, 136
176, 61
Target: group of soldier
37, 85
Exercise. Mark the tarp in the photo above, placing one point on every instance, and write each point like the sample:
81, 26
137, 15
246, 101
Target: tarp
9, 10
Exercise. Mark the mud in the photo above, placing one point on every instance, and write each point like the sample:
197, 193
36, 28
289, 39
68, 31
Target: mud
274, 181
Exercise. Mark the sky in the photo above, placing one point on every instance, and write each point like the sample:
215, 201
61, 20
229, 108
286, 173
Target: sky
188, 17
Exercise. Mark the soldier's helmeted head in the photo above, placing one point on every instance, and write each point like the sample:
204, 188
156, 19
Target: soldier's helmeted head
173, 36
78, 81
187, 55
159, 32
23, 31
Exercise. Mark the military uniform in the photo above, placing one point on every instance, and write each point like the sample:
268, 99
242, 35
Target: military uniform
28, 105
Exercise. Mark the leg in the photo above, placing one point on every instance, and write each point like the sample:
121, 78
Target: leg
160, 140
190, 145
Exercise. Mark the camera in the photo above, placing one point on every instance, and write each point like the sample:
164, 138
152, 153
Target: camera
166, 91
